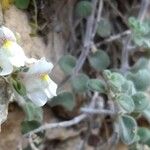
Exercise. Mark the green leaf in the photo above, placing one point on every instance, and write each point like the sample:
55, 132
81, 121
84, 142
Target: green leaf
79, 82
32, 112
99, 60
127, 129
27, 126
144, 134
128, 87
22, 4
140, 32
67, 63
142, 63
141, 101
83, 9
115, 80
96, 85
65, 99
141, 79
104, 28
19, 87
126, 102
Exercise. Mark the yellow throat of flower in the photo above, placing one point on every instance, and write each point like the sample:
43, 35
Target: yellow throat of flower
44, 77
7, 44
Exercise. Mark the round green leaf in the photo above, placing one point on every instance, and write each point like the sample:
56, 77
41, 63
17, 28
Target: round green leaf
65, 99
128, 87
141, 79
96, 85
144, 134
127, 129
27, 126
141, 101
126, 102
99, 60
22, 4
104, 28
79, 82
83, 8
142, 63
32, 112
115, 80
67, 63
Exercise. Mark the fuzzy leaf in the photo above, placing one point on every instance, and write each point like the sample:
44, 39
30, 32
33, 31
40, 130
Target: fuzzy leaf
22, 4
65, 99
126, 102
83, 9
104, 28
127, 129
27, 126
99, 60
32, 112
141, 79
79, 82
67, 63
128, 87
142, 63
96, 85
141, 101
140, 32
144, 134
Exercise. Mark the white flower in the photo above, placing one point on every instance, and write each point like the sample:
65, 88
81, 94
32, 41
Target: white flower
6, 34
11, 54
38, 84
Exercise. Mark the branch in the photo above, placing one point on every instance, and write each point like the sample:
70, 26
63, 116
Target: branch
97, 111
87, 43
114, 37
63, 124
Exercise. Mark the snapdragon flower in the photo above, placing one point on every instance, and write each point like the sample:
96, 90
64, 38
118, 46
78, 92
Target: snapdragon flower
11, 54
6, 34
37, 82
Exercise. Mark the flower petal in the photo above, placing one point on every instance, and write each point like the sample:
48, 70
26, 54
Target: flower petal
6, 34
14, 53
40, 66
6, 66
51, 89
39, 98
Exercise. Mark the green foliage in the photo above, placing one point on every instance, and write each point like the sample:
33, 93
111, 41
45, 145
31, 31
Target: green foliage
19, 87
104, 28
32, 112
144, 134
22, 4
96, 85
79, 82
115, 80
140, 32
27, 126
99, 60
141, 79
127, 129
142, 63
128, 87
83, 8
67, 63
141, 101
65, 99
126, 102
